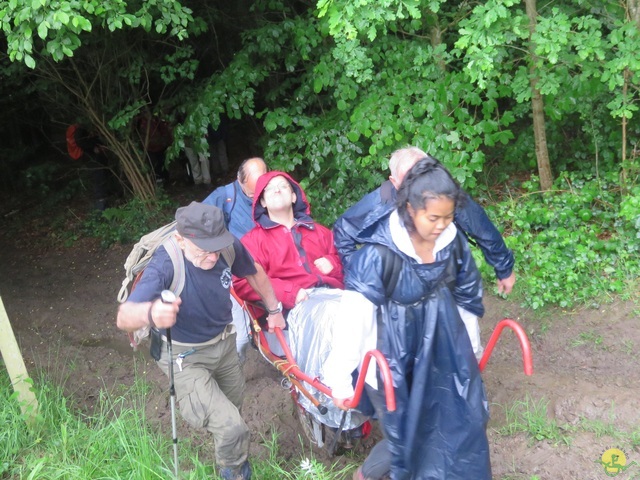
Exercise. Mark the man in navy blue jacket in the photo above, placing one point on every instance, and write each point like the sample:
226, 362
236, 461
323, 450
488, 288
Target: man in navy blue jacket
354, 226
236, 198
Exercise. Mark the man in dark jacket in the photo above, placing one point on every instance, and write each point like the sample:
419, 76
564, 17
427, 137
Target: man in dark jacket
353, 227
87, 147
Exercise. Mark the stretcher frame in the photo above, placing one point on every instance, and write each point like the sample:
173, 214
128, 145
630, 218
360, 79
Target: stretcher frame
295, 378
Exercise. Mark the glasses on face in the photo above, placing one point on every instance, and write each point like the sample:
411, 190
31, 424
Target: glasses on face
197, 253
282, 186
204, 254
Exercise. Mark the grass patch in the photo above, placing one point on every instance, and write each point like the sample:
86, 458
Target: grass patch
609, 428
588, 338
116, 442
530, 417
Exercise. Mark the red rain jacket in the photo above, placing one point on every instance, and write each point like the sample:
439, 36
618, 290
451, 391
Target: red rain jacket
287, 256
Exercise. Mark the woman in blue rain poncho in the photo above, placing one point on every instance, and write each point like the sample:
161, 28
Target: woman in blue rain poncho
407, 291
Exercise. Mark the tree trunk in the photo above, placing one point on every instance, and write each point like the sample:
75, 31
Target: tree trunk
436, 40
80, 85
632, 15
537, 105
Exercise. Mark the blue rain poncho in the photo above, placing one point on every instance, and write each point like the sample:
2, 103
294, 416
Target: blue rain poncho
439, 428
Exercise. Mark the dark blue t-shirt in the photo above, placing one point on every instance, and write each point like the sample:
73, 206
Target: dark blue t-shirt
206, 304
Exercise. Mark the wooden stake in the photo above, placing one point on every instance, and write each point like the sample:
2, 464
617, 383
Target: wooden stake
16, 367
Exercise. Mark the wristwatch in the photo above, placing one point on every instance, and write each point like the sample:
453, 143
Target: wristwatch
278, 309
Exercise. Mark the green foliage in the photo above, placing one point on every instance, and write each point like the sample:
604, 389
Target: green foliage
574, 244
116, 441
51, 183
630, 208
338, 87
364, 18
13, 435
363, 79
129, 222
342, 108
572, 45
113, 442
530, 416
55, 28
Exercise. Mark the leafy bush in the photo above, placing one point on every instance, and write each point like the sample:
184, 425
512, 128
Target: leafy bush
50, 182
127, 223
574, 244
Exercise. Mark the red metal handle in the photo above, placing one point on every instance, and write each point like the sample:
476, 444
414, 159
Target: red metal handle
527, 358
353, 401
386, 378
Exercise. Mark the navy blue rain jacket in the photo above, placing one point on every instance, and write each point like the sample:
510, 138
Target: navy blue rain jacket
354, 227
439, 428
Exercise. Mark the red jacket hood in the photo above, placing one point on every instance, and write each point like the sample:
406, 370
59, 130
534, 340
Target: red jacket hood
301, 207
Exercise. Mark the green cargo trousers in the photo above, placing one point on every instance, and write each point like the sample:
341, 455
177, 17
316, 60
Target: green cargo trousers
209, 391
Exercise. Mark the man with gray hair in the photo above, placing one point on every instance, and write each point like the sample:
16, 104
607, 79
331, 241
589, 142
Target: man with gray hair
209, 383
351, 229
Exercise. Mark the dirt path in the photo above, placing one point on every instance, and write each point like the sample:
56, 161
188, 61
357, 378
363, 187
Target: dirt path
62, 305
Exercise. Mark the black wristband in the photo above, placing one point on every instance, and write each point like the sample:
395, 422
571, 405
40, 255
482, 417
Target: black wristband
152, 324
278, 309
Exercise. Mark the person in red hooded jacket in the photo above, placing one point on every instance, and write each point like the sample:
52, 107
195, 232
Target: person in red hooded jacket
300, 258
295, 252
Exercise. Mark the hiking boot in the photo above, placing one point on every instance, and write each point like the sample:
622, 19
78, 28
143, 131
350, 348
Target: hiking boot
243, 472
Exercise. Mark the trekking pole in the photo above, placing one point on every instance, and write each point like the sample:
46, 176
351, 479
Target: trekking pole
168, 296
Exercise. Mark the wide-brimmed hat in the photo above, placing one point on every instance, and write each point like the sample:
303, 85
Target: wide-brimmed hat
204, 226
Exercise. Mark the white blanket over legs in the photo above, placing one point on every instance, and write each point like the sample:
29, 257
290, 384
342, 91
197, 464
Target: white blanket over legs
311, 329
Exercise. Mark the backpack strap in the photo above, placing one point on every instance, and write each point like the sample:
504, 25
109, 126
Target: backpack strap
391, 267
141, 255
229, 254
177, 259
235, 196
229, 201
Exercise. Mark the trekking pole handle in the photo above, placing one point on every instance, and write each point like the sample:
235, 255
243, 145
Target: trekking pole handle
167, 296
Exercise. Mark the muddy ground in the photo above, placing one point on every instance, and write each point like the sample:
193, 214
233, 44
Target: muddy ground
62, 302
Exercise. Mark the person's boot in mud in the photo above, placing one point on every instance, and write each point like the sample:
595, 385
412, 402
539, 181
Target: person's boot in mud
243, 472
